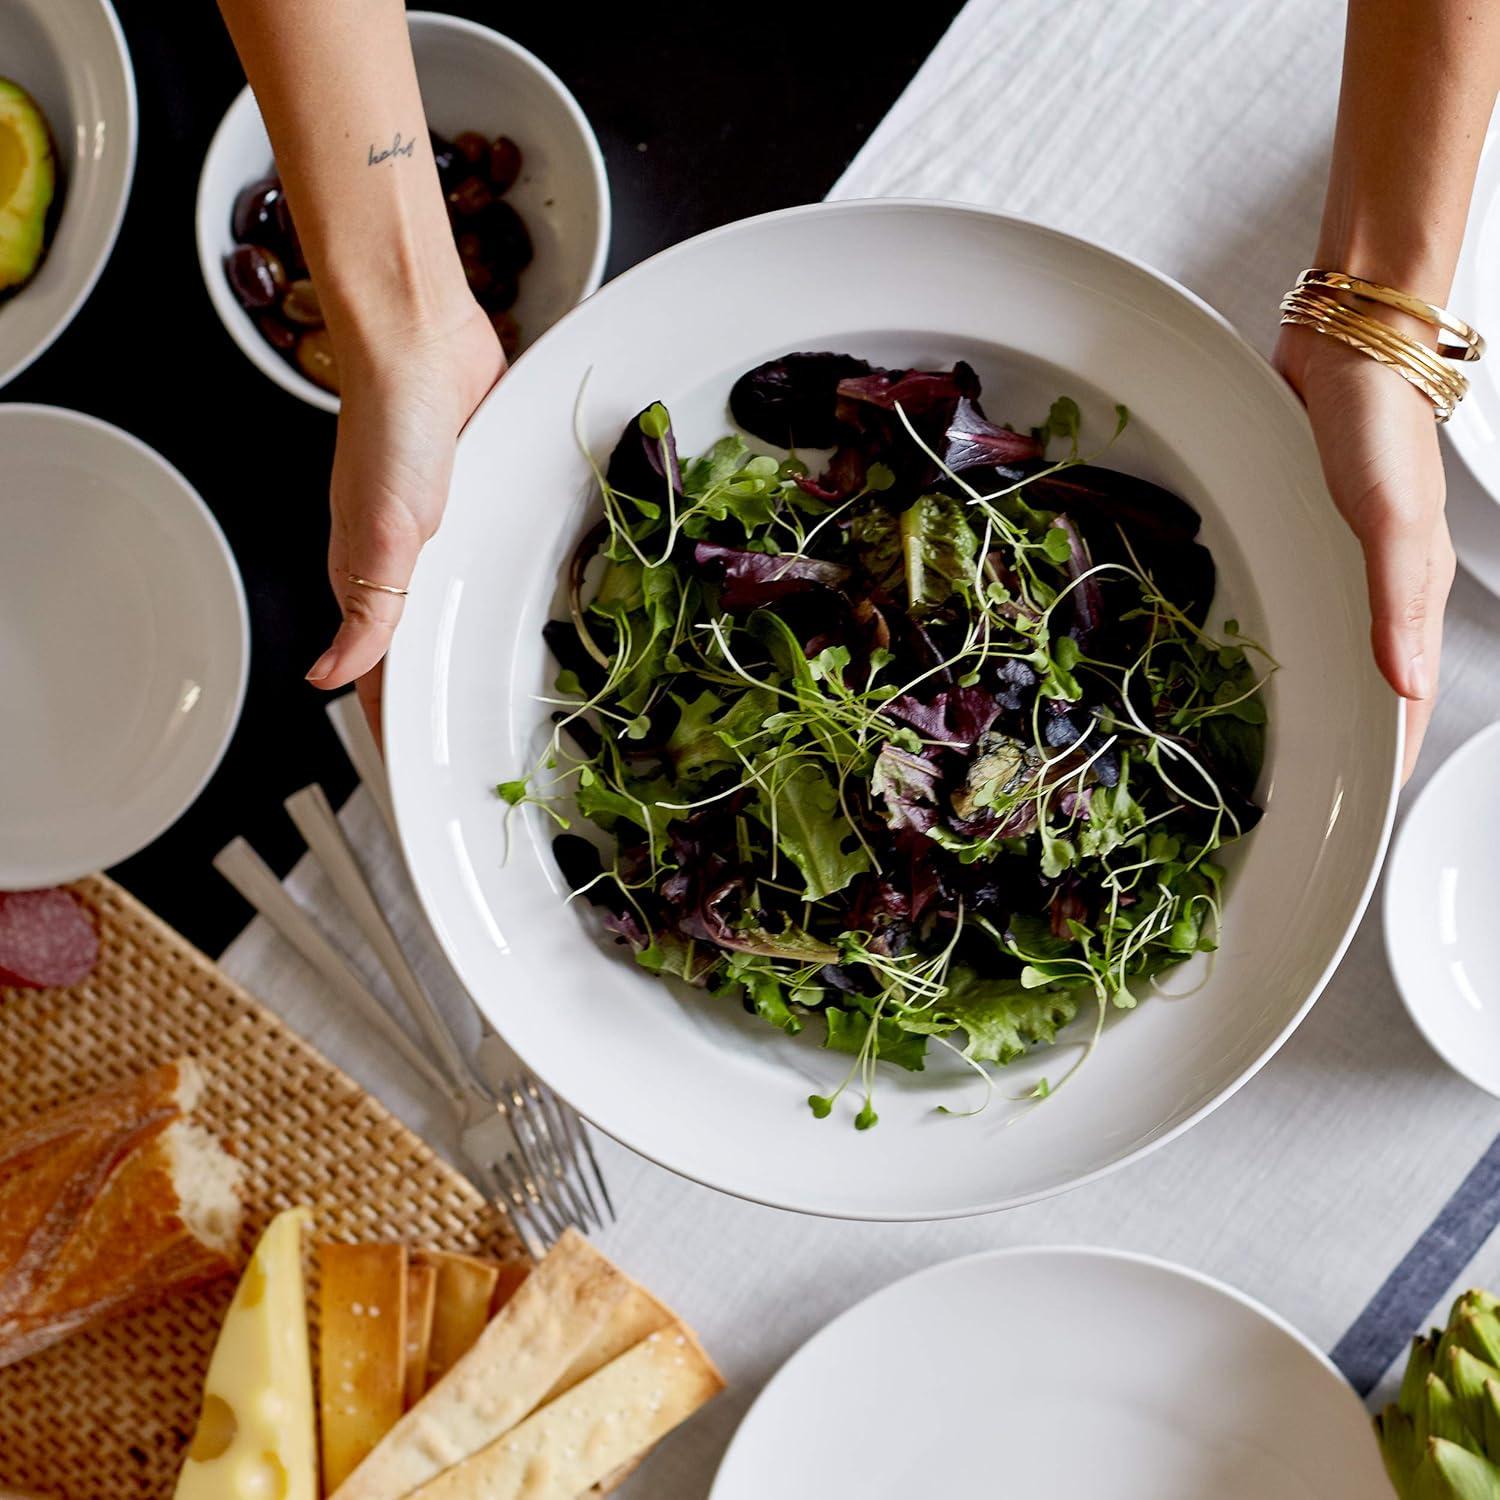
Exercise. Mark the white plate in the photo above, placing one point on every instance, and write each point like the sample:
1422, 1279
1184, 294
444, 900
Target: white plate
70, 56
694, 1083
1441, 895
124, 645
472, 78
1474, 429
1074, 1374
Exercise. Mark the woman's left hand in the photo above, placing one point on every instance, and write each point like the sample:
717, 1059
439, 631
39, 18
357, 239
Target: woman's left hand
1379, 445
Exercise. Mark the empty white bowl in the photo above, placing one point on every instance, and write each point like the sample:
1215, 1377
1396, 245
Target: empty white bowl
124, 645
72, 59
472, 78
1442, 890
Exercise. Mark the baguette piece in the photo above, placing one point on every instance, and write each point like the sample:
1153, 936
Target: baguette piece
581, 1438
362, 1351
108, 1204
465, 1285
553, 1316
421, 1288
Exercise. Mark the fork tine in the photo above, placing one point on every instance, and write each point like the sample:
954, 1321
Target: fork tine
512, 1200
576, 1131
546, 1148
571, 1129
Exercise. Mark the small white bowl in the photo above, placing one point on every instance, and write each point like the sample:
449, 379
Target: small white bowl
124, 645
1442, 891
72, 59
472, 78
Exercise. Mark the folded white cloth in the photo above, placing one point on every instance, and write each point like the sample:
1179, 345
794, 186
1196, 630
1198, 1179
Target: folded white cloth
1193, 135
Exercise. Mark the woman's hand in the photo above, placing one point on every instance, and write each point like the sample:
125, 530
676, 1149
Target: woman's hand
406, 394
1378, 442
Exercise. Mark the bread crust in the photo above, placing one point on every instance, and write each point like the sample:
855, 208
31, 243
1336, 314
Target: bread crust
92, 1223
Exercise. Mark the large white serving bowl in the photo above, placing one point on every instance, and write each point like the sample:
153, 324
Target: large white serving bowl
70, 56
472, 78
1441, 894
692, 1082
124, 645
1072, 1373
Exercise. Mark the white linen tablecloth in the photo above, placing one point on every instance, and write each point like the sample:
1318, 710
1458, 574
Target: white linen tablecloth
1192, 134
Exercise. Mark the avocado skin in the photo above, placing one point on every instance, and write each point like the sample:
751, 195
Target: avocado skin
23, 214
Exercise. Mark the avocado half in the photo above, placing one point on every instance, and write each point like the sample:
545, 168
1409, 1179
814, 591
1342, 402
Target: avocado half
27, 180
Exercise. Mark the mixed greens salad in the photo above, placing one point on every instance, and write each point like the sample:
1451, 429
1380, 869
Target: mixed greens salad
929, 748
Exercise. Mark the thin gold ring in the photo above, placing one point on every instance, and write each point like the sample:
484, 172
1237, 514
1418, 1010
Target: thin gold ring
380, 588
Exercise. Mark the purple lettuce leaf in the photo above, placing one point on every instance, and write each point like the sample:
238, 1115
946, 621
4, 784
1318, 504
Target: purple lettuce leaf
972, 441
955, 716
791, 401
908, 786
752, 580
636, 467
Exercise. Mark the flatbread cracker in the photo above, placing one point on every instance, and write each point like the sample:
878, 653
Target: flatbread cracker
572, 1443
554, 1315
421, 1287
461, 1308
361, 1351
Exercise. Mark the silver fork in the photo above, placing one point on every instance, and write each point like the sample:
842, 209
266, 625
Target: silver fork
525, 1146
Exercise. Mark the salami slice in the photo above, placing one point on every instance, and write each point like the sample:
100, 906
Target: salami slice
47, 938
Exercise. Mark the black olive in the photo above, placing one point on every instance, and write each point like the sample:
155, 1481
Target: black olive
501, 293
471, 196
300, 305
505, 163
277, 332
315, 359
254, 221
507, 243
255, 275
471, 146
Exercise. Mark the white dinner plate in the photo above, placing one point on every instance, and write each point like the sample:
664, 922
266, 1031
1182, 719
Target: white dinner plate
71, 57
1074, 1374
1441, 895
124, 644
693, 1082
1474, 429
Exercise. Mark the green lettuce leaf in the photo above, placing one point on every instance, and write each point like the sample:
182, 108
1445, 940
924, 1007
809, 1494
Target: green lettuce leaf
847, 1030
1003, 1020
811, 828
929, 550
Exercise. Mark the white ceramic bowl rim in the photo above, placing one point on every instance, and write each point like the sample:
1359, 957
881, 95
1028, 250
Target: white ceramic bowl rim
1412, 829
116, 214
109, 849
397, 734
739, 1447
210, 260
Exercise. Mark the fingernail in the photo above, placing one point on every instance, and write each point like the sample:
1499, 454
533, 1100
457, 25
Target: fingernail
1416, 675
322, 667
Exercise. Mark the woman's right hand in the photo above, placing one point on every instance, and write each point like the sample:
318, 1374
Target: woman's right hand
407, 391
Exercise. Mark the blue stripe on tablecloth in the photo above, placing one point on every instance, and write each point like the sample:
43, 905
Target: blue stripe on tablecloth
1400, 1308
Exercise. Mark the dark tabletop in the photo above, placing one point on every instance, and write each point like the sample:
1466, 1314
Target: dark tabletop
705, 114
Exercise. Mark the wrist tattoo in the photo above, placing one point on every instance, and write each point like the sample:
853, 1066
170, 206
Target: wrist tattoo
397, 147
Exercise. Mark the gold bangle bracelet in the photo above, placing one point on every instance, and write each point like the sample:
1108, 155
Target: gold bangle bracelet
1318, 310
1440, 389
1470, 345
1400, 346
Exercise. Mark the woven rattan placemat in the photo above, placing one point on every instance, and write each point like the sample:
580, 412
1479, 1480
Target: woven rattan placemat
105, 1415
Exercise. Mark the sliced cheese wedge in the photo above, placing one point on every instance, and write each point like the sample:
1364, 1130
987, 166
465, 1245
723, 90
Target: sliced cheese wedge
255, 1439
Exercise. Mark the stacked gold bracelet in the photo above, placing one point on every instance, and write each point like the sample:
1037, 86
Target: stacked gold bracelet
1317, 301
